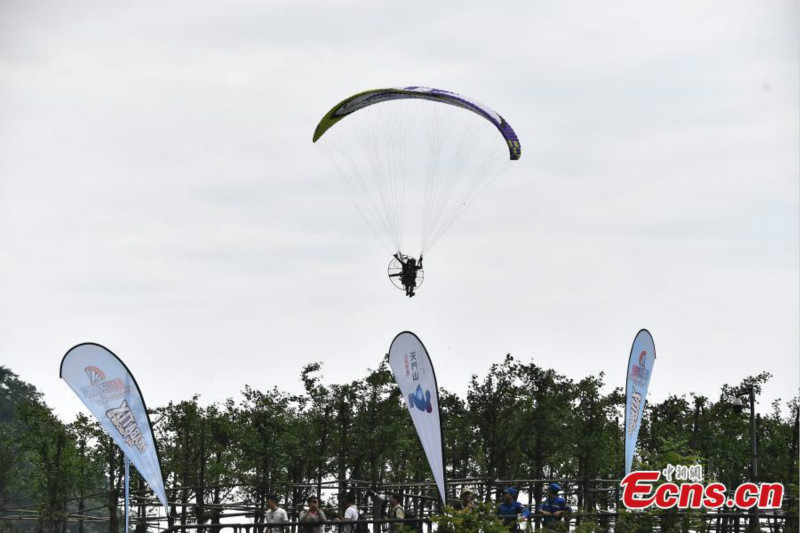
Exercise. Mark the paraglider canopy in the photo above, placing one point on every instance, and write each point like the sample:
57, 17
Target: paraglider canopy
375, 96
415, 158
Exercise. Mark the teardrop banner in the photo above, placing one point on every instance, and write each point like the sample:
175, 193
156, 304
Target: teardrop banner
640, 368
103, 382
414, 374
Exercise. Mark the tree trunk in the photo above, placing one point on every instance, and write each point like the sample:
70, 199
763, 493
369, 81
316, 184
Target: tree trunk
113, 494
200, 495
82, 484
323, 448
793, 450
696, 424
215, 515
141, 509
344, 420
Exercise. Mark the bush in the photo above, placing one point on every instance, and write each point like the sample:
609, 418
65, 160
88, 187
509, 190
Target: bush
481, 519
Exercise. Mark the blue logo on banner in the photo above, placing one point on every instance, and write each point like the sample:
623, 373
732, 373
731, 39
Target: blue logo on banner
420, 401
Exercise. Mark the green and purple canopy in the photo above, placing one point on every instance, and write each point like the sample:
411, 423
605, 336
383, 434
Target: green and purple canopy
375, 96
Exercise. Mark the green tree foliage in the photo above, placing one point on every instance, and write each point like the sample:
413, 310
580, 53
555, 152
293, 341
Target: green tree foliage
482, 518
520, 421
44, 464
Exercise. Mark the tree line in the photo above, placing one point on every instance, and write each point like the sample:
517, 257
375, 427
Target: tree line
519, 421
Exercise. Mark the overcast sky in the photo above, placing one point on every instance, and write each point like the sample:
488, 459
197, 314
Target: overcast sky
160, 194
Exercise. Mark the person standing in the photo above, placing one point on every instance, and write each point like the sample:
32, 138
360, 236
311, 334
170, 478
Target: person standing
466, 502
311, 519
554, 508
396, 511
351, 514
276, 515
511, 511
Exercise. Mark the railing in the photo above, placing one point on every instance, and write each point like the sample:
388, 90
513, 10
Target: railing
294, 525
717, 522
595, 500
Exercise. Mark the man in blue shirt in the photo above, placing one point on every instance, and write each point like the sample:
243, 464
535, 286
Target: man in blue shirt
554, 507
510, 510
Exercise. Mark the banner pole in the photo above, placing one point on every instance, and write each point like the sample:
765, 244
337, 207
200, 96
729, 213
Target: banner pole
127, 491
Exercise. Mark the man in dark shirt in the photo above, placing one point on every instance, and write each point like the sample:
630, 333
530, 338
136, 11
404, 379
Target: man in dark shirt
408, 275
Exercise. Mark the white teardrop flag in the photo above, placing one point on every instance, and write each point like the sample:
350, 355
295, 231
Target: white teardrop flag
414, 374
108, 389
640, 367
